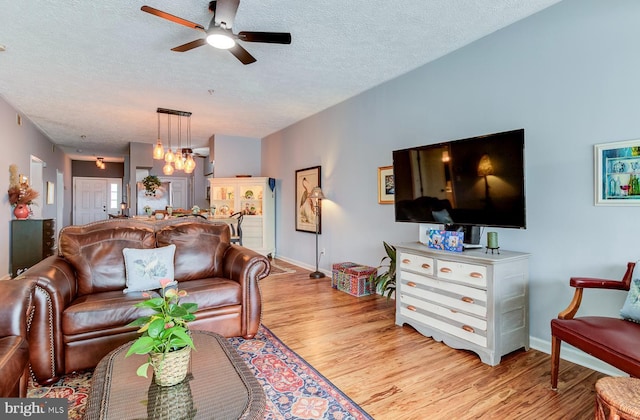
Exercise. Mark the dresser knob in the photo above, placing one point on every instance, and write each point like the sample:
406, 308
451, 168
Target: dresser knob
476, 275
411, 308
467, 299
445, 270
426, 266
468, 329
406, 261
411, 284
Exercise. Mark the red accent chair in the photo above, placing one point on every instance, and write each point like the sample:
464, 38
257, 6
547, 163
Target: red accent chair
613, 340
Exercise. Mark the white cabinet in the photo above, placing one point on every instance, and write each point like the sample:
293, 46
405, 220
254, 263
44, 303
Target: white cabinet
471, 300
255, 199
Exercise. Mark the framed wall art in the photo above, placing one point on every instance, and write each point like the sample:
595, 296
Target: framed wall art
617, 173
306, 180
386, 185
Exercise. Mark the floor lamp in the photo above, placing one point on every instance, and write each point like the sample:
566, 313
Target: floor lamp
316, 195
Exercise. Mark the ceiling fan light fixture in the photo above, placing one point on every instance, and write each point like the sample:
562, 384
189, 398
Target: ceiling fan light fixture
221, 40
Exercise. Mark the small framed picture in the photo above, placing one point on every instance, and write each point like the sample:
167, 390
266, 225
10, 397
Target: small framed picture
386, 185
50, 192
617, 173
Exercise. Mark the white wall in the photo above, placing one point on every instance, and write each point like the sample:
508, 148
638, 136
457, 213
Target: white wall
18, 143
568, 76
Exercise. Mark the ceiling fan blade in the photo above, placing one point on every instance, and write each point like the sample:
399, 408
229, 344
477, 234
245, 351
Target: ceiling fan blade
171, 17
269, 37
190, 45
226, 12
242, 54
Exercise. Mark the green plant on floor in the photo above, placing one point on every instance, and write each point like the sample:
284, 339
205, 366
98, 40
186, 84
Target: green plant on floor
385, 282
151, 184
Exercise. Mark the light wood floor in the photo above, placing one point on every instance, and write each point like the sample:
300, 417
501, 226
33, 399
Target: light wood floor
395, 373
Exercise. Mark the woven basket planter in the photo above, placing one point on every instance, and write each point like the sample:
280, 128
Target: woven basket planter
171, 368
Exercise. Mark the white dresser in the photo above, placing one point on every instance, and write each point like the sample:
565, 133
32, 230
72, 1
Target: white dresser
470, 300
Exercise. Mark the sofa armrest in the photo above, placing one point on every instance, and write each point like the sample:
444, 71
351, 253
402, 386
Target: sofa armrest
55, 289
16, 308
247, 267
581, 283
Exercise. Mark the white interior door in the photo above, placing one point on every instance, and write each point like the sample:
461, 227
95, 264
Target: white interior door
178, 192
89, 200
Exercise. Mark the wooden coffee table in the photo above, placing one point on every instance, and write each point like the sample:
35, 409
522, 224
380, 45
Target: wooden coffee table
219, 385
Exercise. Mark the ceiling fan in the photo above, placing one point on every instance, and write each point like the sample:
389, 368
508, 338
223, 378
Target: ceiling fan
220, 34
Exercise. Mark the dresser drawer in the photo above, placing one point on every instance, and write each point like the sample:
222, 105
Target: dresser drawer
415, 304
454, 296
465, 332
471, 274
416, 263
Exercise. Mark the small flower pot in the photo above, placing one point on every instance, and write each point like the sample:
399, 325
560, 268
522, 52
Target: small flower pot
171, 368
21, 211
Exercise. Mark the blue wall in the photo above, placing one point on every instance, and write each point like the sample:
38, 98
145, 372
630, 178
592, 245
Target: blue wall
567, 75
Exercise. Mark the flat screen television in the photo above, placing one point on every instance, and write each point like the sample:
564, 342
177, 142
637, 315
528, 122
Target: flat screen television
478, 181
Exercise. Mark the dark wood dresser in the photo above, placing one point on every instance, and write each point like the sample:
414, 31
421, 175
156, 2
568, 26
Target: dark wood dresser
32, 240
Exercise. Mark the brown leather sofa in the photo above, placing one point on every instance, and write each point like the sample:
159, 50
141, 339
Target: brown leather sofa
81, 311
615, 341
15, 313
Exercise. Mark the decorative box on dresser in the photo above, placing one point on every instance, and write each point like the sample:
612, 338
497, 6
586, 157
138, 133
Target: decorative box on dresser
32, 240
471, 300
254, 197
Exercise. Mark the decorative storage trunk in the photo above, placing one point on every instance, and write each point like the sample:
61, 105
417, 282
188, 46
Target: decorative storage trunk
354, 279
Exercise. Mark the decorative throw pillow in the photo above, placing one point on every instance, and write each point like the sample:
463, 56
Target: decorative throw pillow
631, 308
145, 267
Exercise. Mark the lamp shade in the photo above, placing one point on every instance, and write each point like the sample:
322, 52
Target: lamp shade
316, 194
485, 167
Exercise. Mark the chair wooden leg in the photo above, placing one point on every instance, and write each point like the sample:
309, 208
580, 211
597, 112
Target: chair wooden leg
555, 361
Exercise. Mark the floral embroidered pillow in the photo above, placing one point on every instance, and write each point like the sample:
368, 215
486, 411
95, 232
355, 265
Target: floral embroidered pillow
631, 308
145, 267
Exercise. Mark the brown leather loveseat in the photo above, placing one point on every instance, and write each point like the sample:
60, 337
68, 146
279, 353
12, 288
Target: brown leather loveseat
81, 311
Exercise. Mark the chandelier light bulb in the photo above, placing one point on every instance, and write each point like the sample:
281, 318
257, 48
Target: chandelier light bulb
179, 163
158, 151
169, 156
167, 169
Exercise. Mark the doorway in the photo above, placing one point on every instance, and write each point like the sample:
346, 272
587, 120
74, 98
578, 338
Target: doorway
95, 198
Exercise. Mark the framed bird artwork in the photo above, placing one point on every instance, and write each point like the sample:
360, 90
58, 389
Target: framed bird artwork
306, 180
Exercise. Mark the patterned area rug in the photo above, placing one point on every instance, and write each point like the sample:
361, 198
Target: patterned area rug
294, 389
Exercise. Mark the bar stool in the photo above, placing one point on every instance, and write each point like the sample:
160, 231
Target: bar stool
618, 398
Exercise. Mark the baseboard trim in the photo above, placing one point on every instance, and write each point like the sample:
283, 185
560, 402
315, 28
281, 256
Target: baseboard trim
572, 354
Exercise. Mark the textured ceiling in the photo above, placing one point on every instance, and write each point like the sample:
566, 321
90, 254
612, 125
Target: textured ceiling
100, 69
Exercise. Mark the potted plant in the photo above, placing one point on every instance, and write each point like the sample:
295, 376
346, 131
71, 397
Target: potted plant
165, 335
385, 282
151, 184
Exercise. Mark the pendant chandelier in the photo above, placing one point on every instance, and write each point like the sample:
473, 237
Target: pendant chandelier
182, 158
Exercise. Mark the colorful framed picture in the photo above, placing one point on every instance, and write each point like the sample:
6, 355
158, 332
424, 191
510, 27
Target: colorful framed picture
617, 173
386, 185
307, 213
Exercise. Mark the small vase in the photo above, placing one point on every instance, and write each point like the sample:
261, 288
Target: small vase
170, 368
21, 211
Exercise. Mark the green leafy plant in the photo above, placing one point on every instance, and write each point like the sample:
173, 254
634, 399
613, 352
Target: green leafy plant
386, 281
166, 330
151, 184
